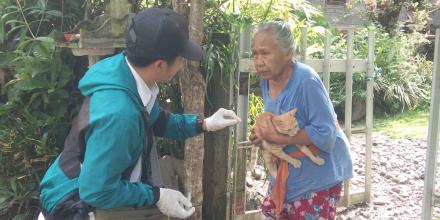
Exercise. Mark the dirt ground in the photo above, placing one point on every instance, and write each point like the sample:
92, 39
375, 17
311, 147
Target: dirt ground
397, 183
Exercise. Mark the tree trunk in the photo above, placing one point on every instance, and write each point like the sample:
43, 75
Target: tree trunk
216, 169
193, 99
388, 17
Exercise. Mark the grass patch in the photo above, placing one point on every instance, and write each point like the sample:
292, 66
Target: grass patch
406, 124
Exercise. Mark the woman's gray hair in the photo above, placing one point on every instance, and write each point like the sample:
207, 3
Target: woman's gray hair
282, 33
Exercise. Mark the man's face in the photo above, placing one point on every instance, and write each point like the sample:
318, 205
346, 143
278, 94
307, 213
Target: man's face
268, 58
170, 70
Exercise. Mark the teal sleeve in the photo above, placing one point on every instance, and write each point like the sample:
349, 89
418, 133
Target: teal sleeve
174, 126
113, 143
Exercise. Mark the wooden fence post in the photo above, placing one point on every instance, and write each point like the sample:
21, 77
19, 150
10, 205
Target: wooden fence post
369, 117
326, 67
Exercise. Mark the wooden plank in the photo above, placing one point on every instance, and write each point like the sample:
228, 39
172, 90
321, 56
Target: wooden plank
101, 42
349, 84
250, 215
335, 65
130, 214
303, 44
353, 198
92, 51
348, 102
433, 135
326, 65
338, 65
369, 116
66, 44
358, 130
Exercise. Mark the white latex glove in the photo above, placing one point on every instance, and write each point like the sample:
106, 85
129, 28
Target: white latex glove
221, 119
173, 204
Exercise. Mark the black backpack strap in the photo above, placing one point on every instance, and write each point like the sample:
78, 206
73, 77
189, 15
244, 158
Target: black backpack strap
71, 207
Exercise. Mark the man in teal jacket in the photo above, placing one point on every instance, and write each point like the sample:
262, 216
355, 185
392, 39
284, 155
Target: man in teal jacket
109, 159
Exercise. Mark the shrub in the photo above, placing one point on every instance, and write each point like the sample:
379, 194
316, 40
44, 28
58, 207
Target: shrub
403, 76
38, 102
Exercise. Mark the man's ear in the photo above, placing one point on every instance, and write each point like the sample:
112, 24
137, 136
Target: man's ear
160, 65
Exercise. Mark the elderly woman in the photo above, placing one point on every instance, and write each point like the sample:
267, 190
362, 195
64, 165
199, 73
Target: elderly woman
311, 191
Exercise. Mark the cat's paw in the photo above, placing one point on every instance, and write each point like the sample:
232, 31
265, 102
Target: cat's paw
319, 161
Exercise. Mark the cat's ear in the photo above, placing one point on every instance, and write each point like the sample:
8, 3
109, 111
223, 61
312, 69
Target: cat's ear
293, 112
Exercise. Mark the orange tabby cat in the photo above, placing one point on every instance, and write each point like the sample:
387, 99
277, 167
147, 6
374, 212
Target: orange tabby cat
284, 124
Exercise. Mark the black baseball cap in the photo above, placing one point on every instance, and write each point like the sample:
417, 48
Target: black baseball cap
161, 33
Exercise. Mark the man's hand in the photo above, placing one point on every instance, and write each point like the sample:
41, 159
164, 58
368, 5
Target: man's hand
221, 119
173, 204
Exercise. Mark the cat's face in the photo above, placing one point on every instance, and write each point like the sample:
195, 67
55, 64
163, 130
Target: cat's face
286, 123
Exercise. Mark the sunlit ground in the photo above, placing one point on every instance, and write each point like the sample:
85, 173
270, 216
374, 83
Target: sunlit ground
407, 124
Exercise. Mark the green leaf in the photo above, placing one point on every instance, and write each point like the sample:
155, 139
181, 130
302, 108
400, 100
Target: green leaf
6, 107
55, 13
31, 84
12, 7
13, 185
45, 39
44, 139
61, 93
14, 22
20, 217
35, 96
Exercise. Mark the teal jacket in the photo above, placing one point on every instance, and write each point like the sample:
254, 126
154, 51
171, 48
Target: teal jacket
106, 140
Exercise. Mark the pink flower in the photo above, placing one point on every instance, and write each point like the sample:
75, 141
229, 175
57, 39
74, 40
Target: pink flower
438, 3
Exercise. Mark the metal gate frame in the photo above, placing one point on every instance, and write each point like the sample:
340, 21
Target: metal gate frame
236, 206
430, 199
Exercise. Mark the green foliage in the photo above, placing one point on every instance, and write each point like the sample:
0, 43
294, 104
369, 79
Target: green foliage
263, 10
385, 14
256, 107
403, 76
38, 102
221, 31
34, 119
169, 98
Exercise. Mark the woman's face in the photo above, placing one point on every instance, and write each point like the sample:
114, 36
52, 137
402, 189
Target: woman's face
270, 62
